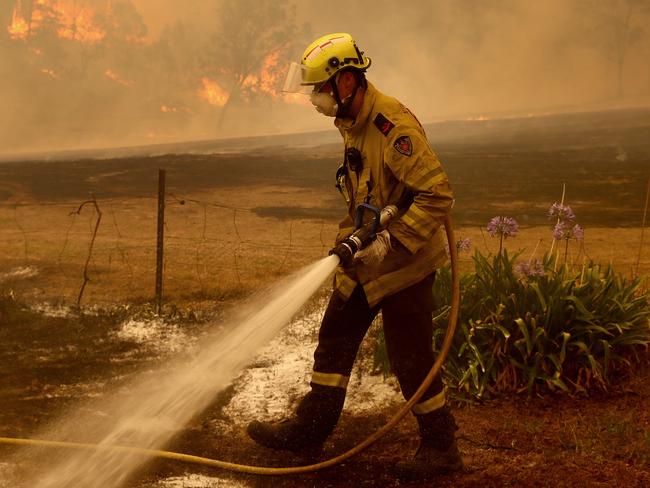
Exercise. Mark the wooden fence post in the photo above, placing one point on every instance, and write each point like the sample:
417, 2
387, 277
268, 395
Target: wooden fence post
160, 240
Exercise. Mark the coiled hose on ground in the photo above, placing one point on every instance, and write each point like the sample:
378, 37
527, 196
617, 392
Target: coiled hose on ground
262, 470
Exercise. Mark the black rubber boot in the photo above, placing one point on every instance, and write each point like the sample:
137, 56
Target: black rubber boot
438, 453
314, 420
285, 435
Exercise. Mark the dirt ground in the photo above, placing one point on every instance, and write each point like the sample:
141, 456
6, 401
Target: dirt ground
508, 442
54, 355
600, 440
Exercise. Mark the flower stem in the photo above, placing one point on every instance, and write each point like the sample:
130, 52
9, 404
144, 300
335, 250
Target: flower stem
566, 250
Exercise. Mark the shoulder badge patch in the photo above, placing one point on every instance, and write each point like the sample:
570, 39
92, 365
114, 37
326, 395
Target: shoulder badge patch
403, 145
383, 124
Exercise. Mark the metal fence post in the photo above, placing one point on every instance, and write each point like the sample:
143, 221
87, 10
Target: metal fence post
160, 240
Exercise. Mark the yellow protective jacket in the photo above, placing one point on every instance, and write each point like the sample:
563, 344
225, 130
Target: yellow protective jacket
396, 158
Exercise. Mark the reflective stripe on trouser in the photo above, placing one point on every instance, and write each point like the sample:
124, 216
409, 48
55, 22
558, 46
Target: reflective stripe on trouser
343, 327
330, 379
431, 405
408, 330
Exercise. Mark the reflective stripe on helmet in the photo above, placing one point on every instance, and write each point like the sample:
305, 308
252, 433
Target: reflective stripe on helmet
320, 47
330, 379
328, 55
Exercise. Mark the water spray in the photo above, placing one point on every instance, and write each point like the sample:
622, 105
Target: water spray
345, 252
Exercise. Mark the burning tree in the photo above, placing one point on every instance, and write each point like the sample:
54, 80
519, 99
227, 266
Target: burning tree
247, 56
65, 63
81, 72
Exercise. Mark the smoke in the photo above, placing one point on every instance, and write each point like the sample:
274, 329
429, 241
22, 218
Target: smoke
448, 58
89, 73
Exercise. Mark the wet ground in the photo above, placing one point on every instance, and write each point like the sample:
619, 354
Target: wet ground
55, 359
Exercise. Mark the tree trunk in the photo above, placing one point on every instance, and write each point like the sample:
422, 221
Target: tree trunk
620, 65
232, 96
623, 39
27, 12
222, 114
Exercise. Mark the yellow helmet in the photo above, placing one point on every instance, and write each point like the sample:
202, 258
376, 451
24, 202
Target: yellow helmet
322, 59
328, 55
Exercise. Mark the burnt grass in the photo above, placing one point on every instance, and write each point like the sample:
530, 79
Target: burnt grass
600, 439
49, 362
41, 353
602, 157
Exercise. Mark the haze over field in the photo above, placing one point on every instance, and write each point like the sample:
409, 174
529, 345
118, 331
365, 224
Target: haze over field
89, 73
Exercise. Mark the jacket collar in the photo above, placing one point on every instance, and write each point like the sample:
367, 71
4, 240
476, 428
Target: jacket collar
352, 125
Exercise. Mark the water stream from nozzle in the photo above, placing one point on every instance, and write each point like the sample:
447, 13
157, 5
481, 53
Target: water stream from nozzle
153, 407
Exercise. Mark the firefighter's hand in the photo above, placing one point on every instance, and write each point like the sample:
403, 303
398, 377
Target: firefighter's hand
375, 252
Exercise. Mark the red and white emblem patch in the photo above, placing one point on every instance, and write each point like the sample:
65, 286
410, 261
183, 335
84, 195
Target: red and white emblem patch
403, 145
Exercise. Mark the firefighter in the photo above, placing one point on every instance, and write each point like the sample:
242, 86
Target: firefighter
387, 160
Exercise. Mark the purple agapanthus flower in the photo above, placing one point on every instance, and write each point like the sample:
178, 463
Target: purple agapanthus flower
578, 232
565, 226
464, 244
562, 212
503, 227
530, 269
560, 231
564, 230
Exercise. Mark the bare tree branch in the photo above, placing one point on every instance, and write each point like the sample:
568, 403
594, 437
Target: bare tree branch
92, 243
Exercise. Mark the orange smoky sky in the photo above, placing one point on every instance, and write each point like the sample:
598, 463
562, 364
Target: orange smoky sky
87, 73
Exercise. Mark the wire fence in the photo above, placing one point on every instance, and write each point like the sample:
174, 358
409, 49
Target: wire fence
104, 249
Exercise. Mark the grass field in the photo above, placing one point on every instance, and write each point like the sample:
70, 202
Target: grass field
234, 220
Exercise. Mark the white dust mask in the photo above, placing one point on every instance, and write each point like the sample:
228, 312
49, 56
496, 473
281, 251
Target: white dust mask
324, 103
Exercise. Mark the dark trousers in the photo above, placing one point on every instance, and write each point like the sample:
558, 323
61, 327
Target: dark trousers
408, 331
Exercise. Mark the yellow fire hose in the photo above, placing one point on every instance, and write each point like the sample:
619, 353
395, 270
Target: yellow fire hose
242, 468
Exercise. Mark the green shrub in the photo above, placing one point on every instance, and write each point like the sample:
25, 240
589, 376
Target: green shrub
545, 330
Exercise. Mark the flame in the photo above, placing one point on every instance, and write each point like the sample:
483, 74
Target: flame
19, 28
267, 83
50, 72
75, 19
77, 23
268, 79
212, 92
116, 78
166, 109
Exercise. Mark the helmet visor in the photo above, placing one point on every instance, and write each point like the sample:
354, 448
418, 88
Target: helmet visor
293, 82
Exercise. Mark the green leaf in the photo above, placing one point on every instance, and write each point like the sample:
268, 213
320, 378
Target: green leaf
537, 332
